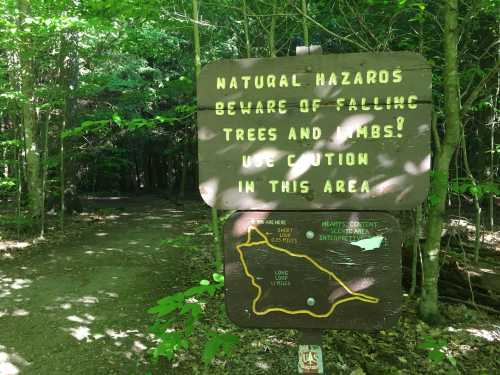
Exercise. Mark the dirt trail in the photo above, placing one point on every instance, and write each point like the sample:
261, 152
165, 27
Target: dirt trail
80, 307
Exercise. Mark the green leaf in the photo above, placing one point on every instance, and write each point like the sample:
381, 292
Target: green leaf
193, 308
204, 282
427, 345
216, 343
452, 360
436, 355
117, 119
218, 278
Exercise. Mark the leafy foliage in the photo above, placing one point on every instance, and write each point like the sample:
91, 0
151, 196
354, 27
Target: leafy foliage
177, 316
479, 190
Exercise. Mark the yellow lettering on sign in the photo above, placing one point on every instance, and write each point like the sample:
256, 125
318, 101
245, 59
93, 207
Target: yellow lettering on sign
411, 101
340, 103
371, 77
340, 188
327, 187
246, 80
230, 108
283, 81
246, 186
351, 186
352, 105
282, 106
332, 81
227, 132
364, 107
272, 134
259, 82
399, 102
259, 108
233, 84
271, 104
246, 110
304, 105
346, 78
271, 81
383, 76
219, 108
358, 79
251, 134
240, 134
221, 83
292, 186
320, 79
248, 161
397, 76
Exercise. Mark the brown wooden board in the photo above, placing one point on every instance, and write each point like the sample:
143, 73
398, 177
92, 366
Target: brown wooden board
321, 145
350, 265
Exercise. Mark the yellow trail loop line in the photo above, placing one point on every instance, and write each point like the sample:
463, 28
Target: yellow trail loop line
265, 241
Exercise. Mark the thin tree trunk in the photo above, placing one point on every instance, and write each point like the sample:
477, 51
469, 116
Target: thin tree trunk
247, 35
19, 191
44, 171
477, 242
185, 152
418, 219
272, 32
69, 83
304, 23
61, 174
5, 149
197, 65
28, 116
493, 125
428, 306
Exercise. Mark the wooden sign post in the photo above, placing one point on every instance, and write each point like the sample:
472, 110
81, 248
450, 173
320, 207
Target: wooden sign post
311, 134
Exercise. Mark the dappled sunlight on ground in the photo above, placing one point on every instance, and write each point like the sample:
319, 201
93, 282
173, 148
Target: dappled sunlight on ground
4, 245
11, 363
80, 306
466, 226
488, 335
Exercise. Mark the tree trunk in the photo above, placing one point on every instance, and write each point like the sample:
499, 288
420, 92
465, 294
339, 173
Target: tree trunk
185, 162
197, 65
415, 248
428, 307
247, 35
28, 115
45, 132
475, 195
272, 32
69, 84
304, 23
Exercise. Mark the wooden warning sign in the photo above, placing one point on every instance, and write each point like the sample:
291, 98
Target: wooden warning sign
318, 132
314, 270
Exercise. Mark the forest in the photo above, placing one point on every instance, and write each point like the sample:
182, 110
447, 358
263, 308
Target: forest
111, 260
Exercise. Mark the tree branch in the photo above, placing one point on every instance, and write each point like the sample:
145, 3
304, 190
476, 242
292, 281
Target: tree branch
363, 48
478, 89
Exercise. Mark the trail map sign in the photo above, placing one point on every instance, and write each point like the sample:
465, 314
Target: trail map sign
316, 132
312, 270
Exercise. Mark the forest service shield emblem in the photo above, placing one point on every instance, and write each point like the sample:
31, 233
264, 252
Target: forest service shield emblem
310, 359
